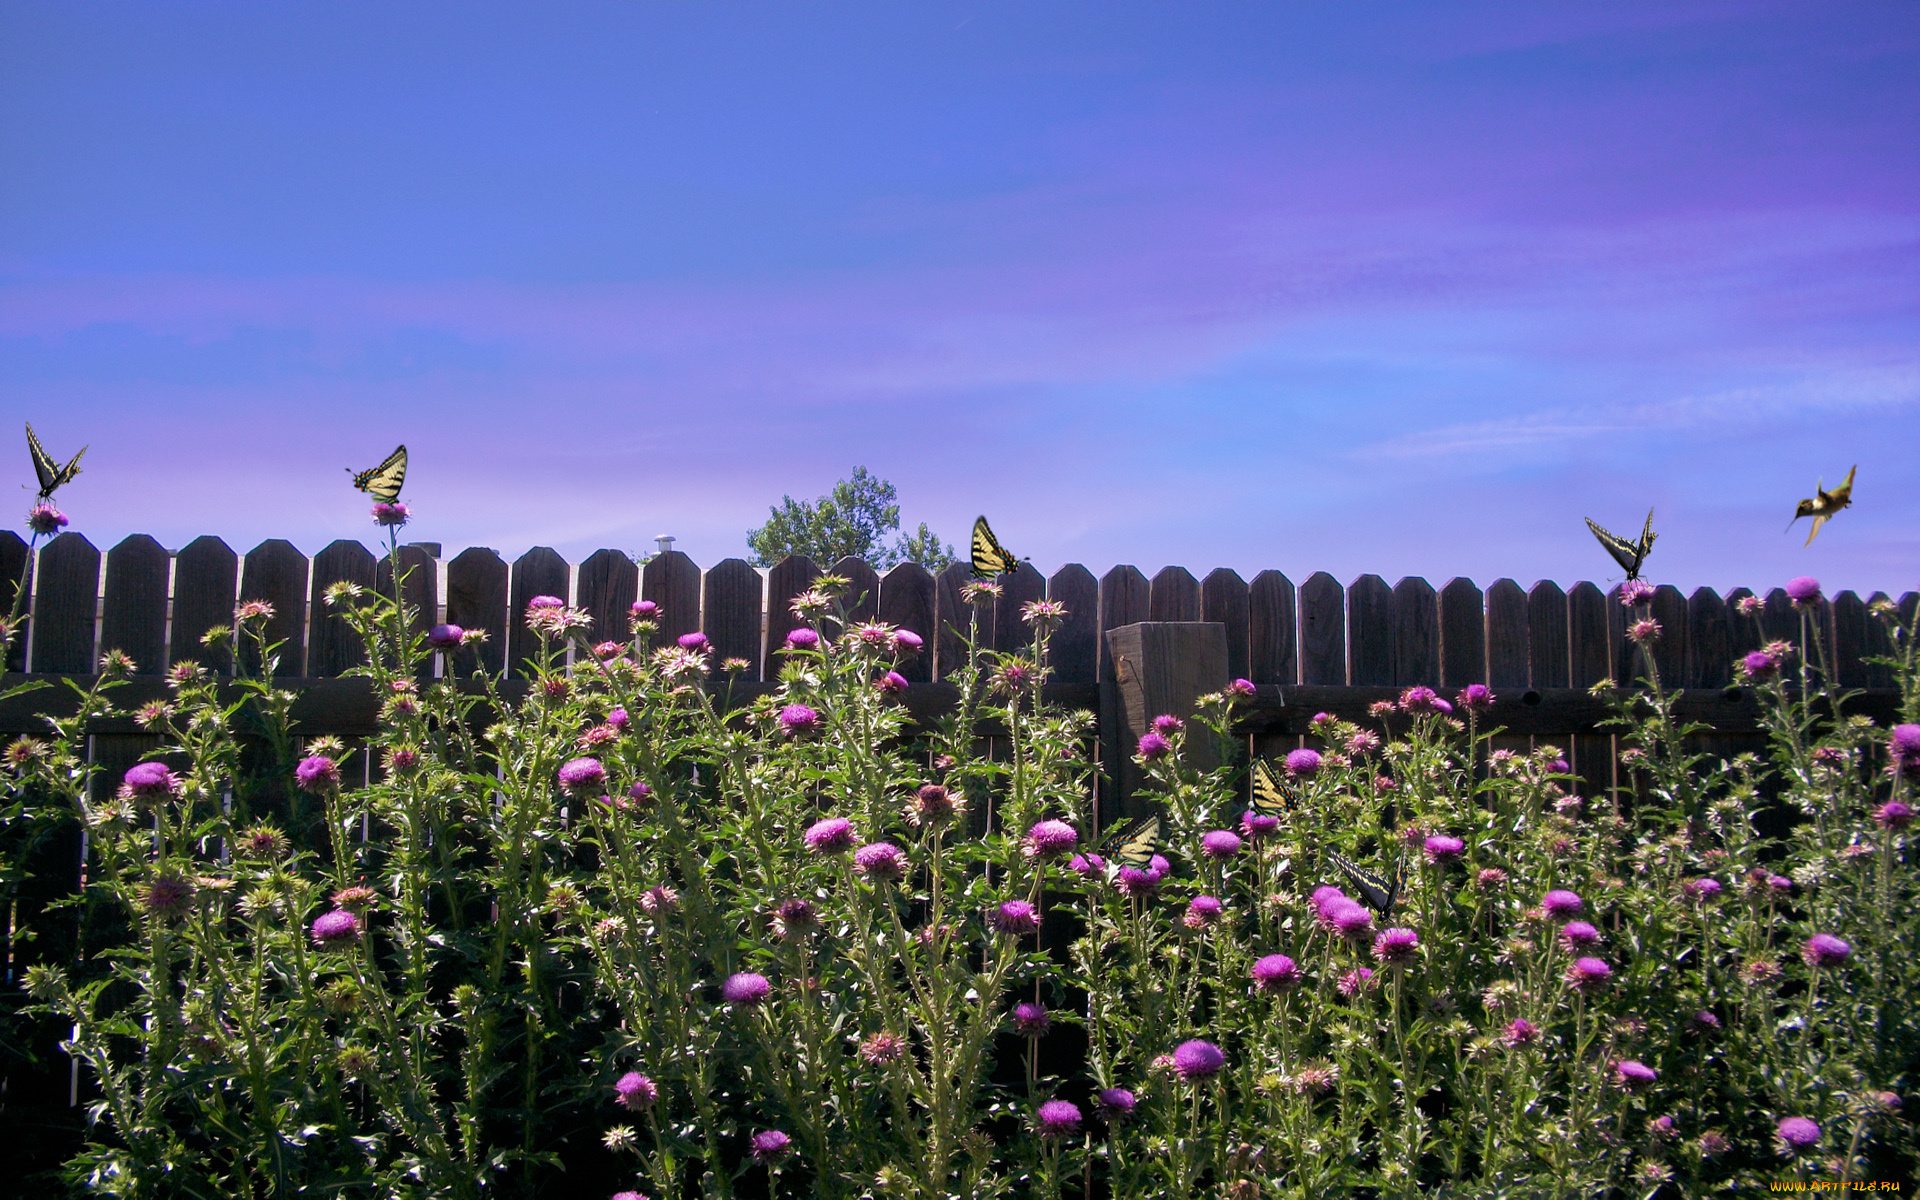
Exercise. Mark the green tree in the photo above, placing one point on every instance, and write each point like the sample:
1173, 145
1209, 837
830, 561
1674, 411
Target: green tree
853, 519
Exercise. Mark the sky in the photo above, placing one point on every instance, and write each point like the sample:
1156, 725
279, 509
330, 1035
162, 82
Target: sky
1402, 289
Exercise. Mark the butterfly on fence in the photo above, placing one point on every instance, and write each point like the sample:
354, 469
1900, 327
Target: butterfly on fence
1376, 891
51, 474
1628, 554
1273, 796
1824, 504
383, 482
990, 558
1139, 842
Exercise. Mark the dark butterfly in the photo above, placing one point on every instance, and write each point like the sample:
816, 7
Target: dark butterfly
1273, 796
383, 482
1628, 554
1139, 843
51, 474
1824, 505
990, 558
1376, 891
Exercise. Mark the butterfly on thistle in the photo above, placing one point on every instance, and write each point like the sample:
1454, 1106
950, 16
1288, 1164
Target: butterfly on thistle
1824, 504
51, 474
1139, 842
1377, 892
383, 482
1273, 795
1628, 554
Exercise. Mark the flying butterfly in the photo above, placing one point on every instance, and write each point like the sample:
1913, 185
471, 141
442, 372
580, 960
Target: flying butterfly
51, 474
383, 482
990, 558
1376, 891
1272, 795
1139, 843
1628, 554
1823, 506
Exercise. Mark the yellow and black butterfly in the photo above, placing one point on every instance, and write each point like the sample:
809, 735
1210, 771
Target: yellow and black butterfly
51, 475
1628, 554
1139, 842
1376, 891
1823, 506
383, 482
1273, 796
990, 558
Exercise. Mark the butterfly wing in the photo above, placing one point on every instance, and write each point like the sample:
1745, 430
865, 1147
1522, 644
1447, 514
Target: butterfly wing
1141, 842
1623, 551
1272, 796
990, 558
1643, 547
1378, 892
383, 482
42, 463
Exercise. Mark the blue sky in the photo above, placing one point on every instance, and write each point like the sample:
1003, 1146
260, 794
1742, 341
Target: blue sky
1388, 288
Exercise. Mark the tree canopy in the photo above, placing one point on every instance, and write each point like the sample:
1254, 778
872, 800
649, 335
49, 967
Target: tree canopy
852, 519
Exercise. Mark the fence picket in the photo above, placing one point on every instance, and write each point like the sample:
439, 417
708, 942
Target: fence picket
1272, 647
1075, 648
788, 578
206, 579
1463, 634
1323, 630
1509, 649
862, 597
606, 586
1879, 644
1670, 648
477, 599
1023, 585
332, 646
1547, 649
1709, 654
276, 572
732, 606
1125, 599
1174, 595
907, 602
16, 576
63, 605
1416, 617
420, 588
539, 572
956, 619
1224, 598
1849, 643
133, 615
1372, 632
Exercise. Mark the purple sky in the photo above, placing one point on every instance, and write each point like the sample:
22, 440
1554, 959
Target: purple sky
1400, 289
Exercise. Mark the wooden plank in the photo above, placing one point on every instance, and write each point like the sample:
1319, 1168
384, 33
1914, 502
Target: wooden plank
1588, 650
1463, 634
1224, 598
1779, 619
1547, 635
861, 597
606, 586
1709, 657
907, 602
539, 572
15, 575
477, 599
789, 577
672, 580
1849, 640
64, 605
1025, 584
1670, 649
1323, 630
332, 646
1743, 631
1623, 657
206, 579
1164, 667
1174, 595
1125, 599
957, 620
274, 571
1879, 643
1273, 644
1075, 650
133, 611
420, 589
1509, 649
1372, 632
1416, 619
730, 612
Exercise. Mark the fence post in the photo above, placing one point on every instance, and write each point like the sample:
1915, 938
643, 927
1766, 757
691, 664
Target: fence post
1163, 667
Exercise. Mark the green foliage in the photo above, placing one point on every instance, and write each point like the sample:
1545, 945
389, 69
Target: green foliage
851, 520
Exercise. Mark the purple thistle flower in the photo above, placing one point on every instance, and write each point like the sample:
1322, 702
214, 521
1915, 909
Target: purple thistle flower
834, 835
1058, 1118
906, 641
797, 720
629, 1195
1635, 592
545, 602
150, 779
882, 862
1588, 972
1303, 762
1114, 1103
1349, 919
1702, 890
1561, 904
1705, 1021
1824, 950
1221, 843
1475, 697
1894, 814
1241, 687
1015, 917
643, 610
1051, 838
770, 1146
1087, 866
316, 773
1168, 724
1797, 1134
1197, 1059
1418, 700
1275, 973
583, 776
746, 989
1758, 664
335, 928
695, 641
45, 518
1559, 766
1490, 878
445, 637
394, 514
1320, 722
1578, 935
1633, 1074
1030, 1019
932, 805
1441, 848
802, 638
635, 1091
1780, 884
1804, 591
1903, 747
168, 895
1396, 946
1154, 746
1254, 826
795, 918
1643, 631
1202, 912
1521, 1032
882, 1048
1354, 982
893, 683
